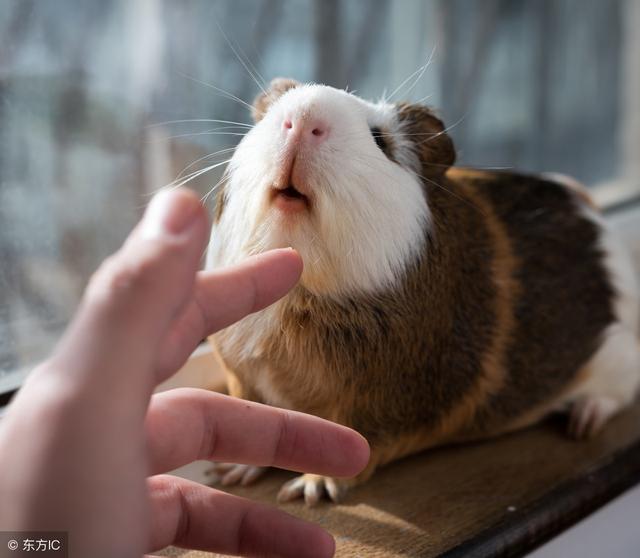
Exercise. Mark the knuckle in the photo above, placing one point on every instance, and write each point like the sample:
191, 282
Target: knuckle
287, 440
163, 483
117, 278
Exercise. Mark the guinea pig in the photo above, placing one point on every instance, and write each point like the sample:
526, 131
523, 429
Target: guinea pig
437, 304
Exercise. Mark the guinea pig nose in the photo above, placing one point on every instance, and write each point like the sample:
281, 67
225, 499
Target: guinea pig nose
316, 131
306, 129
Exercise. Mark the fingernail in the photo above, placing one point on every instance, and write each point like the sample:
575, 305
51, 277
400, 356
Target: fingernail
168, 213
329, 545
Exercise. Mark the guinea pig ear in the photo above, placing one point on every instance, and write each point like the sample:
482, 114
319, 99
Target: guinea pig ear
277, 88
432, 143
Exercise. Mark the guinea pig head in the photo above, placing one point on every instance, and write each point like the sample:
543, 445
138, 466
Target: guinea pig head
339, 179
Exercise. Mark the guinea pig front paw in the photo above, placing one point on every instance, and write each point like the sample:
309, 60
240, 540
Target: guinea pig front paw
312, 488
230, 474
589, 414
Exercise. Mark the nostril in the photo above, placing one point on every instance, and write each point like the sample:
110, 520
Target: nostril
288, 124
317, 132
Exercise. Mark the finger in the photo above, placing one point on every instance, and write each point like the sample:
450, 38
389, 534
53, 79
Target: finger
136, 294
227, 295
224, 296
191, 515
184, 425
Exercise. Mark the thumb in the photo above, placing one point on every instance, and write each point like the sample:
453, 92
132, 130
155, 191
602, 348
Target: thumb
134, 296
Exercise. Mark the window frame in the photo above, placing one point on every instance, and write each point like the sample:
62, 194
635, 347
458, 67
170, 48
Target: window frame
625, 188
621, 191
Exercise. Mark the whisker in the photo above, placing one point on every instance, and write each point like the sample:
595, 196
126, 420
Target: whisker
224, 93
460, 198
213, 189
246, 67
442, 165
209, 156
178, 183
156, 124
399, 134
424, 99
402, 84
407, 134
420, 71
437, 134
431, 164
212, 132
424, 69
383, 98
418, 175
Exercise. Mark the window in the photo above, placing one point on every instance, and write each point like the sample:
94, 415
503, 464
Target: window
104, 101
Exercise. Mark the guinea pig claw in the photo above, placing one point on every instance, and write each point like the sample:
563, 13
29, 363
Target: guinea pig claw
334, 489
311, 488
252, 475
291, 490
589, 414
231, 474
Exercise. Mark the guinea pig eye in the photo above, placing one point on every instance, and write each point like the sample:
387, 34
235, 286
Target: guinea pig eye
378, 138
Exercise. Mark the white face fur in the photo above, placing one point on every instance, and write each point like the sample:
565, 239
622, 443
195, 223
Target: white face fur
363, 217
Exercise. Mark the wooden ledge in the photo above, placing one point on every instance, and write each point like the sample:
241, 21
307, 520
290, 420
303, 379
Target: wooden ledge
498, 498
558, 509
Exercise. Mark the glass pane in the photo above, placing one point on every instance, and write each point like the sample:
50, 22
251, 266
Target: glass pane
104, 101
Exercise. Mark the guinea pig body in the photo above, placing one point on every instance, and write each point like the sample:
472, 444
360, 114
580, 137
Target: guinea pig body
437, 304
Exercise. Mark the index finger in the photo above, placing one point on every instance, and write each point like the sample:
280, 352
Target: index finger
224, 296
185, 425
227, 295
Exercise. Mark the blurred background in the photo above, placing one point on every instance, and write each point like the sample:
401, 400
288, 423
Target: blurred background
102, 102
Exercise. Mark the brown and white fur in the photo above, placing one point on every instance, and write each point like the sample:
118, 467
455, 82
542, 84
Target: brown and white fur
437, 304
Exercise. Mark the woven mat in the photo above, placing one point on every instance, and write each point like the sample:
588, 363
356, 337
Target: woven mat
426, 504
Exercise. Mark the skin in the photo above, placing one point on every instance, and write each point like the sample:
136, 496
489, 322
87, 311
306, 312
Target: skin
84, 442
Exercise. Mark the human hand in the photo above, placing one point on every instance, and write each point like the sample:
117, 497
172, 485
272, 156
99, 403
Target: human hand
84, 433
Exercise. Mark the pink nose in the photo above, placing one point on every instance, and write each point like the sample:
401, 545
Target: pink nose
312, 131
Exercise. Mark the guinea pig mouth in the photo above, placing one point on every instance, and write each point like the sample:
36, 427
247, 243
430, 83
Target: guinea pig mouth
290, 193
